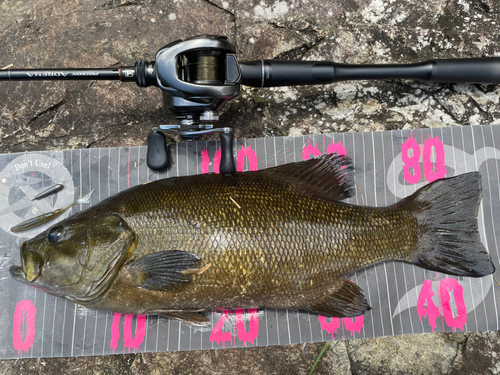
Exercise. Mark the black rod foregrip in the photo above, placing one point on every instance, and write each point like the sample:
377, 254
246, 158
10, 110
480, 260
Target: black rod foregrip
59, 74
477, 70
272, 73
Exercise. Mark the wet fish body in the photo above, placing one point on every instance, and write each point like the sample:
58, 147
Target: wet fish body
276, 238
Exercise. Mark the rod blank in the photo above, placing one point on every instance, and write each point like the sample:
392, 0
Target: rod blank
59, 74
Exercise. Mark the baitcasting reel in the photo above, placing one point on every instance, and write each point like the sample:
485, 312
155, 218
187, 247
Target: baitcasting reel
197, 77
200, 74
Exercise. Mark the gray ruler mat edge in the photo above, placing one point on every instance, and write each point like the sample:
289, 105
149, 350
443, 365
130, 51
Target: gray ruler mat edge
34, 324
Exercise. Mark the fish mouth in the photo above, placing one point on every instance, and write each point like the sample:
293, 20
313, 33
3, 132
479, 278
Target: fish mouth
30, 269
18, 274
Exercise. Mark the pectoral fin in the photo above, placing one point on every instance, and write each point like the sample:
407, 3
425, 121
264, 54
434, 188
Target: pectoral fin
164, 271
190, 317
346, 300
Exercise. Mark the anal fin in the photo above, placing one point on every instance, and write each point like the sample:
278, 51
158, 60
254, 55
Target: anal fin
346, 300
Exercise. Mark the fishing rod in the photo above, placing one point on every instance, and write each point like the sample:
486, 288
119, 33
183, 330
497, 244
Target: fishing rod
199, 75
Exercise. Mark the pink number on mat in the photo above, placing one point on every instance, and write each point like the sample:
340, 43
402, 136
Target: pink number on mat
331, 327
354, 325
253, 328
446, 286
336, 148
411, 161
252, 159
115, 331
217, 335
25, 313
140, 331
205, 161
425, 306
440, 171
310, 150
217, 161
128, 341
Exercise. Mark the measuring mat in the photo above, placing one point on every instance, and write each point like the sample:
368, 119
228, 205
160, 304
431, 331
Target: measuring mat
389, 166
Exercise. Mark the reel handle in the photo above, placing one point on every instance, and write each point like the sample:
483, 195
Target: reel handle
157, 157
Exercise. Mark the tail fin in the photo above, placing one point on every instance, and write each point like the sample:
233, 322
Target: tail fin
446, 212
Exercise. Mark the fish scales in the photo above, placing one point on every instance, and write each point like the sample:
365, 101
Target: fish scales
295, 240
277, 238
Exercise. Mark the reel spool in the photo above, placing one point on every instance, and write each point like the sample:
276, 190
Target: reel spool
205, 67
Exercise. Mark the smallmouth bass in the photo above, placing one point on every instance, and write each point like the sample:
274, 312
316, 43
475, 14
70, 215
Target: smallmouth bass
276, 238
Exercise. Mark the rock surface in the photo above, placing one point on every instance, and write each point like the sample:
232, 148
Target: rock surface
110, 33
414, 354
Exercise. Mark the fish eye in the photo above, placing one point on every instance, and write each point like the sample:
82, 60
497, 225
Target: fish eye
54, 235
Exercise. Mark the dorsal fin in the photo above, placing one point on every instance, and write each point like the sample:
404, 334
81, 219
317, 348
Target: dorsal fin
327, 176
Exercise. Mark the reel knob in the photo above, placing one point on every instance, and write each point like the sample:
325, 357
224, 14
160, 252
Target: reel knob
157, 157
226, 158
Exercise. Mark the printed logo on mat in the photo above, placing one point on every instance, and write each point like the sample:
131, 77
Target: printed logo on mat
21, 180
